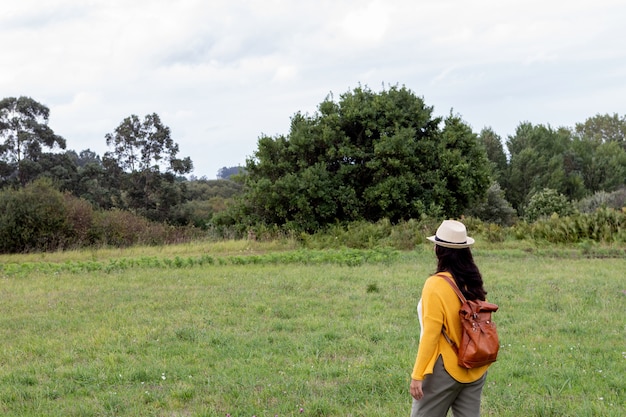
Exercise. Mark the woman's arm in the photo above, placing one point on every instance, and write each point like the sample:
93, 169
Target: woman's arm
433, 317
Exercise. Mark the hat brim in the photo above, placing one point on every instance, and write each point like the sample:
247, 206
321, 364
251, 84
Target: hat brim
469, 242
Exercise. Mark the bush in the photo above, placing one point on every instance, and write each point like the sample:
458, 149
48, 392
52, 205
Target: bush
33, 218
79, 213
494, 208
485, 231
405, 235
603, 225
199, 212
120, 228
495, 233
615, 200
545, 203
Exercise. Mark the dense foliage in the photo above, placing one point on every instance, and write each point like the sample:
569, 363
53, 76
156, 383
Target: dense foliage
41, 218
546, 203
368, 156
576, 163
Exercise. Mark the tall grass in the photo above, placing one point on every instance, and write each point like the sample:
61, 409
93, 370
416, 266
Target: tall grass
296, 332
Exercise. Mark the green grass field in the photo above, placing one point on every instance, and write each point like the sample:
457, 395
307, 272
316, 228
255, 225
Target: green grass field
217, 331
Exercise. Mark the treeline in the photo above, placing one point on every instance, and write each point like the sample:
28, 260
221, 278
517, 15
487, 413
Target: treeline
141, 174
368, 157
581, 164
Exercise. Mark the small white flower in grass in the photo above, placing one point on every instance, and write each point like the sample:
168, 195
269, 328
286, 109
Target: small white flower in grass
163, 377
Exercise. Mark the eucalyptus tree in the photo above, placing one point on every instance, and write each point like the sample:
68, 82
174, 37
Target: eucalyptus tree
145, 156
24, 135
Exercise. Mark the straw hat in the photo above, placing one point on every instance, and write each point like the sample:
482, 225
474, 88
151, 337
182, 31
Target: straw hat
452, 234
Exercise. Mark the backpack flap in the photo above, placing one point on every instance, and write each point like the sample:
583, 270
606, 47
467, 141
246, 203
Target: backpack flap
479, 339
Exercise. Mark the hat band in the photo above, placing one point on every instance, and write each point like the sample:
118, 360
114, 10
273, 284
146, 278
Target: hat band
452, 243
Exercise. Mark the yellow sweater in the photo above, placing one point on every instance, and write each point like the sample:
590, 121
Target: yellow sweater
439, 308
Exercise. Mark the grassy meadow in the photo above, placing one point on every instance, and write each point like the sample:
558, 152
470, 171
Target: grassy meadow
244, 329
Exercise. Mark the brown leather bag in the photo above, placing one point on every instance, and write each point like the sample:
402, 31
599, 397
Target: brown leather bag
479, 337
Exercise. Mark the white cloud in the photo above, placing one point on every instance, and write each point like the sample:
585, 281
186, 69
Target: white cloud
367, 24
222, 72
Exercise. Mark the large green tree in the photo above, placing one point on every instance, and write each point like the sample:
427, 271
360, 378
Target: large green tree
146, 146
599, 147
366, 156
495, 153
540, 158
141, 148
602, 165
24, 134
603, 128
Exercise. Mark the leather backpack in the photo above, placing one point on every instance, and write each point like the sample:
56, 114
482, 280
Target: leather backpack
479, 337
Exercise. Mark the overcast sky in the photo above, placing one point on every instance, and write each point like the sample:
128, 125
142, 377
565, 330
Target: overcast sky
221, 73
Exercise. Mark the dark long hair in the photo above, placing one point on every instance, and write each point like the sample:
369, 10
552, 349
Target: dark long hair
460, 263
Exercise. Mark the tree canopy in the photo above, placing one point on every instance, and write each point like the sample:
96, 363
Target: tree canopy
24, 133
574, 163
139, 150
367, 156
364, 157
145, 145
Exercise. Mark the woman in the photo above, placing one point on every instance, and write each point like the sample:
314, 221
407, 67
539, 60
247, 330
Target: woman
438, 383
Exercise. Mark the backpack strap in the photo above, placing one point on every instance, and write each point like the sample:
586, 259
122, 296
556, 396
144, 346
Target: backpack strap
463, 300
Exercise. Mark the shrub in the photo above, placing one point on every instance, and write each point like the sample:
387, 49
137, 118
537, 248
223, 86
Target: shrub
80, 215
33, 218
118, 228
545, 203
521, 230
199, 212
406, 235
494, 208
601, 199
122, 228
603, 225
495, 233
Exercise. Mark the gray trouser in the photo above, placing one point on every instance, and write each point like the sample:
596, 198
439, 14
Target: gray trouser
441, 392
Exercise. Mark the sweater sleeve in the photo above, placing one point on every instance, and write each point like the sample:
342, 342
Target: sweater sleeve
432, 323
